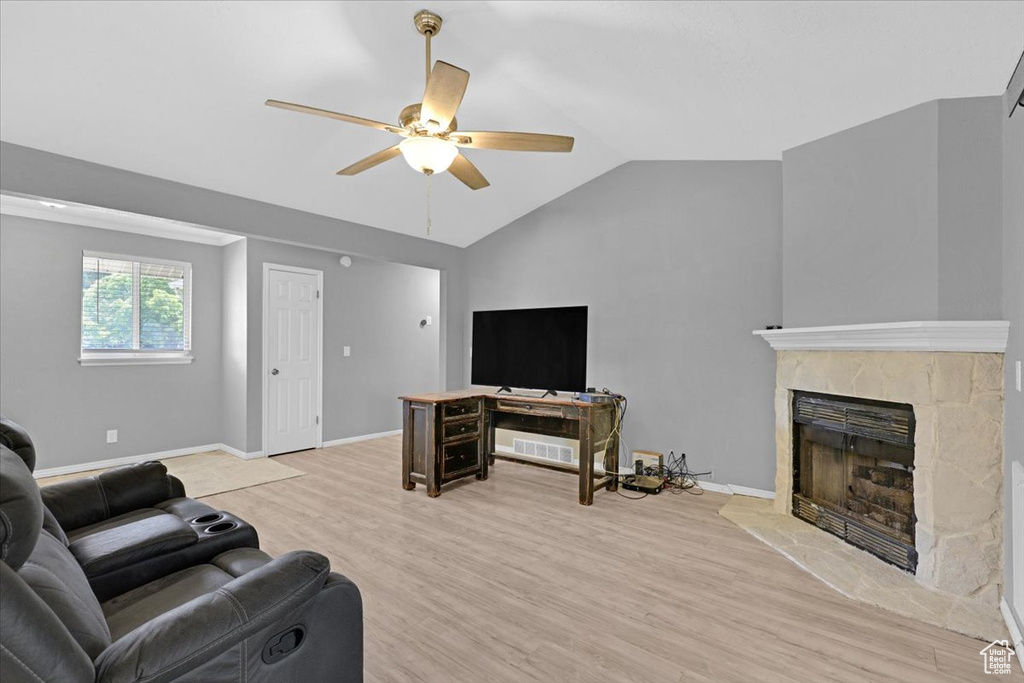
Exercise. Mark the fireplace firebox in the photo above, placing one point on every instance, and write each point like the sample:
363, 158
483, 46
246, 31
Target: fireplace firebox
853, 470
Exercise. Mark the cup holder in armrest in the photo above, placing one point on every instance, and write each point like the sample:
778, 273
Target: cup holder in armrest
221, 527
208, 519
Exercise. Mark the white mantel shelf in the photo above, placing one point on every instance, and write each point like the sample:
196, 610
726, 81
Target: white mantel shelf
979, 336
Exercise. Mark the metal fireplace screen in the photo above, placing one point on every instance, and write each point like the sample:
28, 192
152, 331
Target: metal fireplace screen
853, 472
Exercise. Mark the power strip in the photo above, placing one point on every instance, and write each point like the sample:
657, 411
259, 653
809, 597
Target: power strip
643, 484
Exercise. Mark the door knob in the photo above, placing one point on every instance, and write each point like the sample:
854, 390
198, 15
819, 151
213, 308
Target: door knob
274, 371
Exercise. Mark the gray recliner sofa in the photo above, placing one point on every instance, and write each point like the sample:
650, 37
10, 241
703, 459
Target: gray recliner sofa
132, 524
242, 616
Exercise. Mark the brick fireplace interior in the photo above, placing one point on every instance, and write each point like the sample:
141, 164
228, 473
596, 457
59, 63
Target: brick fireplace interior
853, 463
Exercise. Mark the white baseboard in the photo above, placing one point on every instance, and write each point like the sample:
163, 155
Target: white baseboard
356, 439
755, 493
241, 454
1015, 631
127, 460
715, 488
737, 490
132, 459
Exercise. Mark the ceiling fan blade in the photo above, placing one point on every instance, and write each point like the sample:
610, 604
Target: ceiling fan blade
445, 88
335, 115
463, 169
371, 161
513, 142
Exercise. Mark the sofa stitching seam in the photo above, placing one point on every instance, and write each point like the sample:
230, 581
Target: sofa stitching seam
7, 536
234, 603
103, 497
24, 666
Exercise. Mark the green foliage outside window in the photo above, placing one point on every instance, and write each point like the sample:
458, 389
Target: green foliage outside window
107, 320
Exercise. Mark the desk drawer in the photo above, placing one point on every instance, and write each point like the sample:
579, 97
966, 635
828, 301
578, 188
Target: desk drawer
459, 457
524, 408
464, 408
454, 430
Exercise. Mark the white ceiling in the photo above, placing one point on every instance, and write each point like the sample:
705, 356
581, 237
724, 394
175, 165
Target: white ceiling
176, 89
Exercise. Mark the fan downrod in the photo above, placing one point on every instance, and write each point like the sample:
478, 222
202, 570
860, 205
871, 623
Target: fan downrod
427, 23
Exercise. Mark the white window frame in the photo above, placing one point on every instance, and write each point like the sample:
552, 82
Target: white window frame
137, 356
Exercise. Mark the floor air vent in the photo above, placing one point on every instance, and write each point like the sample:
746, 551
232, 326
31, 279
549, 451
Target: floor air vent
544, 451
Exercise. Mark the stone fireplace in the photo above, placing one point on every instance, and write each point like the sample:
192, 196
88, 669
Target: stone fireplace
949, 378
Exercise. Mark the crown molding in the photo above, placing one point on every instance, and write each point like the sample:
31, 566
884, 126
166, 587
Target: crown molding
73, 213
979, 336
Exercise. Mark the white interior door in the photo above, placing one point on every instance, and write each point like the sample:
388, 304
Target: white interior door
291, 337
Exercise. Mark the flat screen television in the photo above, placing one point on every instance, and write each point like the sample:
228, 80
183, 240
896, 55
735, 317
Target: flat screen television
531, 348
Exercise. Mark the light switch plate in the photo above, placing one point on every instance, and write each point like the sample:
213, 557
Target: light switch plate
346, 351
1018, 375
430, 320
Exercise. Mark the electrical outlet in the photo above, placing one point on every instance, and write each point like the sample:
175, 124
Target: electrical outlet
346, 351
711, 475
430, 320
1018, 375
111, 436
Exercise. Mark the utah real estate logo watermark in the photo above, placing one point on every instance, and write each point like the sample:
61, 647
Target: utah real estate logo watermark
997, 657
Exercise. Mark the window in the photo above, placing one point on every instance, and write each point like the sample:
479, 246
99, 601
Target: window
135, 310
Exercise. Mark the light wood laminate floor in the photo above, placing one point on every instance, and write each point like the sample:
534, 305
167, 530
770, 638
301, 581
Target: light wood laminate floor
512, 580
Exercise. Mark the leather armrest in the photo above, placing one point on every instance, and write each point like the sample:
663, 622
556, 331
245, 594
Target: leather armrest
188, 636
85, 501
131, 543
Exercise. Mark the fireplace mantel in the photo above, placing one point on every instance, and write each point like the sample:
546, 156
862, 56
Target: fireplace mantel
979, 336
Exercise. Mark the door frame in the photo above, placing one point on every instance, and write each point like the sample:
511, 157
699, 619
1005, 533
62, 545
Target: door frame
267, 267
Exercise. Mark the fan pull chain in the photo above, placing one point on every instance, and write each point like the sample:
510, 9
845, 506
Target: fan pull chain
428, 205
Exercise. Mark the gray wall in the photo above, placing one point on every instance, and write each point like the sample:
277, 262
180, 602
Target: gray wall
29, 171
68, 408
1013, 310
234, 296
896, 219
861, 223
678, 262
375, 308
970, 213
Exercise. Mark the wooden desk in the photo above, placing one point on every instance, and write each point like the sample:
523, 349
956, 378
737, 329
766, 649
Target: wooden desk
448, 436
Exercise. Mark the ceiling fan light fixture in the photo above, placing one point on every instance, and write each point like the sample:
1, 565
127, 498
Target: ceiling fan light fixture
427, 154
429, 126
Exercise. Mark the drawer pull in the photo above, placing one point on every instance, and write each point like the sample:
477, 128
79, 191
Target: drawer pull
460, 429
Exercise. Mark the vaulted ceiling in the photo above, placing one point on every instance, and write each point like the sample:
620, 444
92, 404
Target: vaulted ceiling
176, 89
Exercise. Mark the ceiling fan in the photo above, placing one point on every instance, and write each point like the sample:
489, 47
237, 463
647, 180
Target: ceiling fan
432, 139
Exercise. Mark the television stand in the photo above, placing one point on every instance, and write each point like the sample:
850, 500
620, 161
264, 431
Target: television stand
501, 389
549, 392
450, 435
